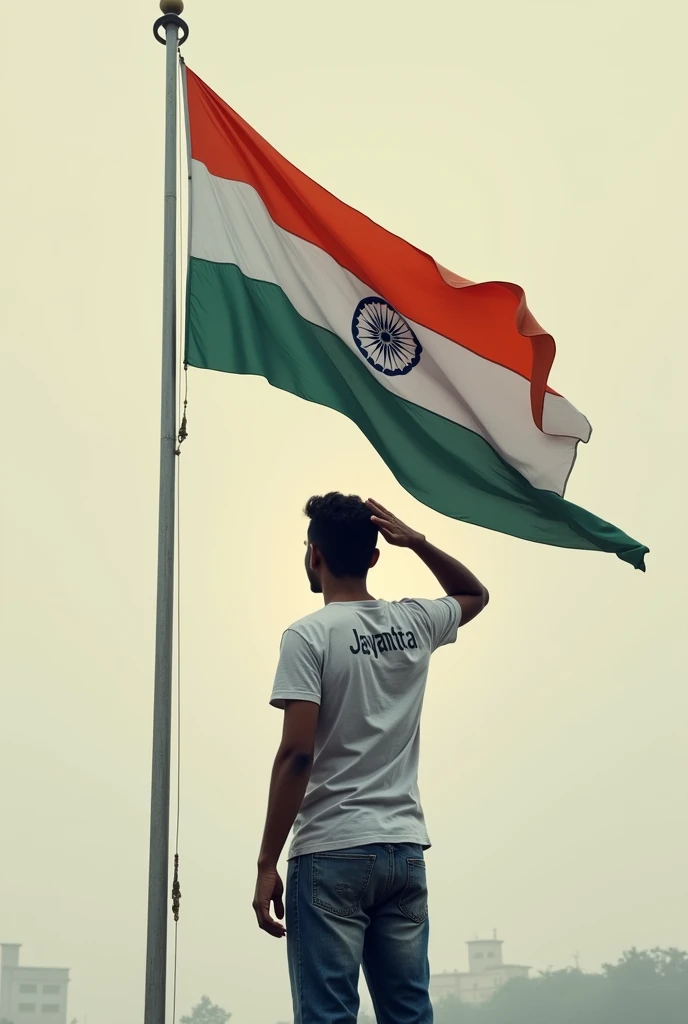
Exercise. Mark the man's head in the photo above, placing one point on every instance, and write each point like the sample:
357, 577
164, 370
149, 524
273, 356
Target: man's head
341, 539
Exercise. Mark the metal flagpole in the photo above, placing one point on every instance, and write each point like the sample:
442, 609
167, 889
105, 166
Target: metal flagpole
158, 878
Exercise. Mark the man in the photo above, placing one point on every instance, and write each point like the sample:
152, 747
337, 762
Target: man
351, 679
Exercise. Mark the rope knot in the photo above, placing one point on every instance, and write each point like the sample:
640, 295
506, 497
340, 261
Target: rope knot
176, 890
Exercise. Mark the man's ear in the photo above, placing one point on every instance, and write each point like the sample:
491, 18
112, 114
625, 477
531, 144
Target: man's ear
374, 559
315, 558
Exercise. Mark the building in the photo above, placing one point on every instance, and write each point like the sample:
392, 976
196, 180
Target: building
486, 973
31, 995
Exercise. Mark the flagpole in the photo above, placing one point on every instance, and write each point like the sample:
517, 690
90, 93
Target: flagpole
158, 871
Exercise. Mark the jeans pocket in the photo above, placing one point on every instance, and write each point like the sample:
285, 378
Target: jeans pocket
413, 902
340, 880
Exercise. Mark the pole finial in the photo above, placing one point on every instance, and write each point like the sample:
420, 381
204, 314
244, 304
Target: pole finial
171, 9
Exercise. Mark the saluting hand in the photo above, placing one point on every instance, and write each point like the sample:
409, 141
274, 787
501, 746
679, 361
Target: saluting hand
392, 529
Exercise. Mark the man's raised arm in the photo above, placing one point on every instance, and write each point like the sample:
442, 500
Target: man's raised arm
456, 580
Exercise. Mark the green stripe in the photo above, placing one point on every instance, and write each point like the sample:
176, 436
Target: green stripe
238, 325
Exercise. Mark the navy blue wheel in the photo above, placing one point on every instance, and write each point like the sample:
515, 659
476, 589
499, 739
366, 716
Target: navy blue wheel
384, 338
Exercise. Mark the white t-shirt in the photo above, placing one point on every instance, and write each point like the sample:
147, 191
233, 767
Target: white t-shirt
366, 664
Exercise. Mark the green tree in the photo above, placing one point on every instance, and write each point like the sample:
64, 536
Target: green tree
451, 1010
644, 987
647, 985
206, 1012
566, 996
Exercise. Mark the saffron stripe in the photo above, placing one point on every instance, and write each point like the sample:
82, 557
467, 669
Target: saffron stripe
491, 319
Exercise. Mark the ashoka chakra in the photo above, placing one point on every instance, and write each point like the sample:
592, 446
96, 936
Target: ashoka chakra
384, 338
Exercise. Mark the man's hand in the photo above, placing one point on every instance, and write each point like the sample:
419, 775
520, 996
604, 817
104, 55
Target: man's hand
458, 582
392, 529
269, 889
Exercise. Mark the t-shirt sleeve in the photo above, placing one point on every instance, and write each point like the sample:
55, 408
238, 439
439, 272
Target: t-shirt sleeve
443, 616
299, 673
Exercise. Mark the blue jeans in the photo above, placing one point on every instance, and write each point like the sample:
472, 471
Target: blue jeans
368, 906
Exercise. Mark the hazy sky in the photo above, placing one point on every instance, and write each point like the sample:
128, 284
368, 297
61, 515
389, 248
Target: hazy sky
540, 142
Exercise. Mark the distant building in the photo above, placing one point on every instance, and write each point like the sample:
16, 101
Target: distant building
31, 995
486, 973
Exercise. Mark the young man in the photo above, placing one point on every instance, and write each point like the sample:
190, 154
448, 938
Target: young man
351, 679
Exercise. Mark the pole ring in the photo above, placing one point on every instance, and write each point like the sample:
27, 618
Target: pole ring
171, 19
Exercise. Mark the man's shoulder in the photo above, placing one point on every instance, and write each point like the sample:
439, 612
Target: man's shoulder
330, 614
324, 619
313, 630
432, 611
427, 602
314, 621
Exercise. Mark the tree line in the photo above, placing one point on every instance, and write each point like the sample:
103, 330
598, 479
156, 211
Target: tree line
643, 987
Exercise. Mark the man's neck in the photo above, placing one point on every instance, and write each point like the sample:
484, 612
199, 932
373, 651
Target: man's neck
345, 590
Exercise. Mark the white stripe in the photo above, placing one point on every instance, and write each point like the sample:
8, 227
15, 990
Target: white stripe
232, 225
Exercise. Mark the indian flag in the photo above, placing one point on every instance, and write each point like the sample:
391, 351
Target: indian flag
446, 378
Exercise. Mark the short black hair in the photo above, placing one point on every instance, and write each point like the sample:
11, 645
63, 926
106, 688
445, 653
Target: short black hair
340, 526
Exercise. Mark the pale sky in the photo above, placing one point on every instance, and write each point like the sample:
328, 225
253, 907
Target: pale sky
539, 142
